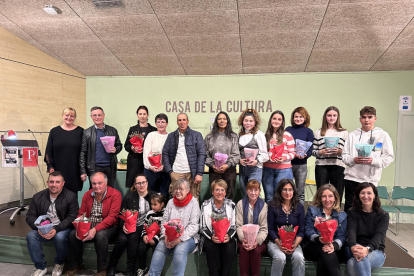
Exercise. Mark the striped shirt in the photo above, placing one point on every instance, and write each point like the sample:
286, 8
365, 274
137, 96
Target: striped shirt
319, 143
289, 152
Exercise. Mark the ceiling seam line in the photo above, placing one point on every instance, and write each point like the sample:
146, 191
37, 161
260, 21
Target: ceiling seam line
36, 41
316, 38
389, 46
98, 37
240, 43
169, 41
43, 68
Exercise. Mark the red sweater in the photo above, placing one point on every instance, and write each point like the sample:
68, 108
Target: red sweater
111, 205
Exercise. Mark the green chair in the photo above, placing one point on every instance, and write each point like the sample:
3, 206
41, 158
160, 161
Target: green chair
400, 192
383, 194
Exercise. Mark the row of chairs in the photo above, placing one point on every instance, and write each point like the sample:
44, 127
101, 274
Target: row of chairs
397, 193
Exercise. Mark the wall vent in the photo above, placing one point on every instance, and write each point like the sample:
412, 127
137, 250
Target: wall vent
107, 4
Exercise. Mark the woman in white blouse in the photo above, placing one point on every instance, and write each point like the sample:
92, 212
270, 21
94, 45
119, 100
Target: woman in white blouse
250, 137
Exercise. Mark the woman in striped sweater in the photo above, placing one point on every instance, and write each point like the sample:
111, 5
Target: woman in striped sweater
280, 168
329, 167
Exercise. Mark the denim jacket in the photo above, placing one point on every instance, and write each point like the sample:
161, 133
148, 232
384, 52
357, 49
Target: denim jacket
311, 232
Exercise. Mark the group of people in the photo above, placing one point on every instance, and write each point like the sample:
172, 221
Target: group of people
72, 152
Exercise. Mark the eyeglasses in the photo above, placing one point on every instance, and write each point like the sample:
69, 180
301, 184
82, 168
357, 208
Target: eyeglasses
180, 189
287, 190
97, 115
141, 183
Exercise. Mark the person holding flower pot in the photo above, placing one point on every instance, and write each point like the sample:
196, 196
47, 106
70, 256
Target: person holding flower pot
135, 162
138, 199
286, 210
328, 255
153, 146
218, 230
251, 210
184, 210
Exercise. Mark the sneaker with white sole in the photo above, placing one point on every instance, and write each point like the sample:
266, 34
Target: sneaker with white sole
57, 270
142, 272
39, 272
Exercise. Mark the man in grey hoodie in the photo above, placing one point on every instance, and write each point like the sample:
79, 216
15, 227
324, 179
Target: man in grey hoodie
365, 169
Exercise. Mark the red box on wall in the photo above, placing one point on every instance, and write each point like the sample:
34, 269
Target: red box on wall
30, 157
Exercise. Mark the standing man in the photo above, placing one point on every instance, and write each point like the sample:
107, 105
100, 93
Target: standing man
101, 205
184, 154
365, 169
62, 207
93, 156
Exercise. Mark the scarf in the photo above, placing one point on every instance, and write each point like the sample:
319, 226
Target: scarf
256, 210
184, 202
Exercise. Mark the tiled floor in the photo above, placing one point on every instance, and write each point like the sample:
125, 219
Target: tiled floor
405, 237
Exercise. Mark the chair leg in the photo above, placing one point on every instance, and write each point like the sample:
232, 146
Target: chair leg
398, 218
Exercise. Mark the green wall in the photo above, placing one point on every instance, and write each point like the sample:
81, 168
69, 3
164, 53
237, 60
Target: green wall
120, 97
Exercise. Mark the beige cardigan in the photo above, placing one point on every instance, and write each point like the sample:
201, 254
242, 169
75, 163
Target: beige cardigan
261, 236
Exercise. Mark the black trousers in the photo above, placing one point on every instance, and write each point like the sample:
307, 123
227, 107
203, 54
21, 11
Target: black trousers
108, 172
229, 176
101, 240
135, 247
330, 174
350, 187
327, 264
219, 256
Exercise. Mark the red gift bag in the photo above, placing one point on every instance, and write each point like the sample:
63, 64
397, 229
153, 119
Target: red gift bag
82, 226
287, 238
173, 229
155, 159
220, 228
137, 141
277, 151
327, 228
153, 230
130, 217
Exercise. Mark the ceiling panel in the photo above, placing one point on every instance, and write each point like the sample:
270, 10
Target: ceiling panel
254, 4
200, 23
151, 63
214, 70
296, 18
214, 61
98, 66
78, 48
150, 45
125, 26
275, 59
273, 69
20, 10
178, 6
87, 8
189, 45
46, 30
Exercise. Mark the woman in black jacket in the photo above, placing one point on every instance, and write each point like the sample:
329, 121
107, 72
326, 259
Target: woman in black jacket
135, 162
139, 198
367, 227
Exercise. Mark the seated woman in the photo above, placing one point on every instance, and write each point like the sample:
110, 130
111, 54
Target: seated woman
139, 198
219, 255
251, 210
184, 207
285, 209
367, 226
326, 203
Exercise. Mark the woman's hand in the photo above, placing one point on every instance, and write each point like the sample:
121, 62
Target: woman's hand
328, 248
323, 242
280, 159
223, 168
215, 239
335, 151
226, 238
283, 249
243, 162
152, 242
156, 169
216, 170
246, 245
252, 163
125, 230
324, 151
145, 239
359, 252
137, 150
172, 244
300, 156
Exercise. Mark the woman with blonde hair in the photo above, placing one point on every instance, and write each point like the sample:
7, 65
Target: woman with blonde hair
63, 150
300, 121
250, 137
326, 204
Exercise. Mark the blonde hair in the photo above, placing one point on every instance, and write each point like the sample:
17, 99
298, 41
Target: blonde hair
69, 110
317, 199
218, 182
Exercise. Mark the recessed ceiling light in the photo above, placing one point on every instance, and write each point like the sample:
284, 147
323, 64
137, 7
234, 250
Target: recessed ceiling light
52, 10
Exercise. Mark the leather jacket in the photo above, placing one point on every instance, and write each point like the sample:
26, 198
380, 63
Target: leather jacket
87, 154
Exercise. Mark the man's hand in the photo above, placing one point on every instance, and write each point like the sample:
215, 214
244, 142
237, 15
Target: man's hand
89, 235
113, 150
198, 179
48, 236
83, 177
51, 170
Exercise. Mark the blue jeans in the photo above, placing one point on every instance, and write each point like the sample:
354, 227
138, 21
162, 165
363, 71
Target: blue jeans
179, 262
279, 260
162, 177
34, 245
373, 260
246, 174
271, 178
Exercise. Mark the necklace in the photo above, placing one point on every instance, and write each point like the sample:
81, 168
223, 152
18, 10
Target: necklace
287, 211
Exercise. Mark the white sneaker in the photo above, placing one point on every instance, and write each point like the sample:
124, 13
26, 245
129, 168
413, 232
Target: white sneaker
57, 270
142, 272
39, 272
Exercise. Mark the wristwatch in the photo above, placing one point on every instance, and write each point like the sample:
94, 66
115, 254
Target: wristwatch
369, 248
